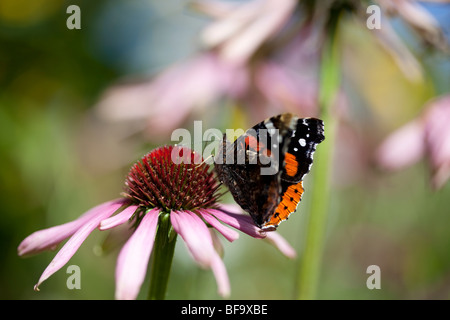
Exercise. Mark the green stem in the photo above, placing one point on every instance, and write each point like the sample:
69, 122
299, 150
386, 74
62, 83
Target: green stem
310, 265
162, 258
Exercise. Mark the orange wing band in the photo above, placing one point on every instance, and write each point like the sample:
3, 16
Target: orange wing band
291, 164
288, 204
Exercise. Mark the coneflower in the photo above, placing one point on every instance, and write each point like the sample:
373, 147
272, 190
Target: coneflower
167, 193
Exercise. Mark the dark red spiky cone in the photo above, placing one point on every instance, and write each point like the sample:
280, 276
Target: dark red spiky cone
172, 178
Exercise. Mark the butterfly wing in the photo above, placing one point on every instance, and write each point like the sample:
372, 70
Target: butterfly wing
305, 135
239, 165
264, 168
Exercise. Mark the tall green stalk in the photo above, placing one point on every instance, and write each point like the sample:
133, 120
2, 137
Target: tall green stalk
310, 266
162, 258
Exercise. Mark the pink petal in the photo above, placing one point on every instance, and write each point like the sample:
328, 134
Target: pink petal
134, 256
227, 26
239, 221
233, 79
72, 245
278, 241
403, 147
195, 234
49, 238
228, 233
286, 89
167, 99
437, 137
274, 16
177, 91
118, 219
231, 207
221, 275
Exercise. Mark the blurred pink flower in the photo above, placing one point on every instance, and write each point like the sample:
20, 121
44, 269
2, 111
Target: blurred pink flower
286, 90
240, 32
155, 185
262, 54
163, 104
427, 136
229, 68
178, 91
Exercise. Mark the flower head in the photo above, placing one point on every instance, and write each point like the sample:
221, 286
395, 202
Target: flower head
157, 181
167, 181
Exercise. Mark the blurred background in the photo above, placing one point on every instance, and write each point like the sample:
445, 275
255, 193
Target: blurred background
79, 106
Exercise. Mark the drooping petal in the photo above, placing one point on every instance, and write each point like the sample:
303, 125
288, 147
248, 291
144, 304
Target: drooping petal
244, 30
275, 15
281, 244
195, 234
228, 233
221, 275
118, 219
437, 138
72, 245
403, 147
49, 238
177, 91
239, 221
133, 258
230, 24
286, 89
173, 94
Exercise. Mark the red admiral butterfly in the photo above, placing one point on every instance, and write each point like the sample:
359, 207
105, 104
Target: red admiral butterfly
265, 166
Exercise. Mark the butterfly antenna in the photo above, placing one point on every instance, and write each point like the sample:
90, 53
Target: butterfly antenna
207, 161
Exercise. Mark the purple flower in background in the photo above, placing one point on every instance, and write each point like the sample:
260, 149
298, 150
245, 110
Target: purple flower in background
226, 70
427, 136
261, 54
183, 89
155, 185
239, 31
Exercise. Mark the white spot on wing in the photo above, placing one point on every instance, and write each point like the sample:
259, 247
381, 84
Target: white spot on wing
302, 142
